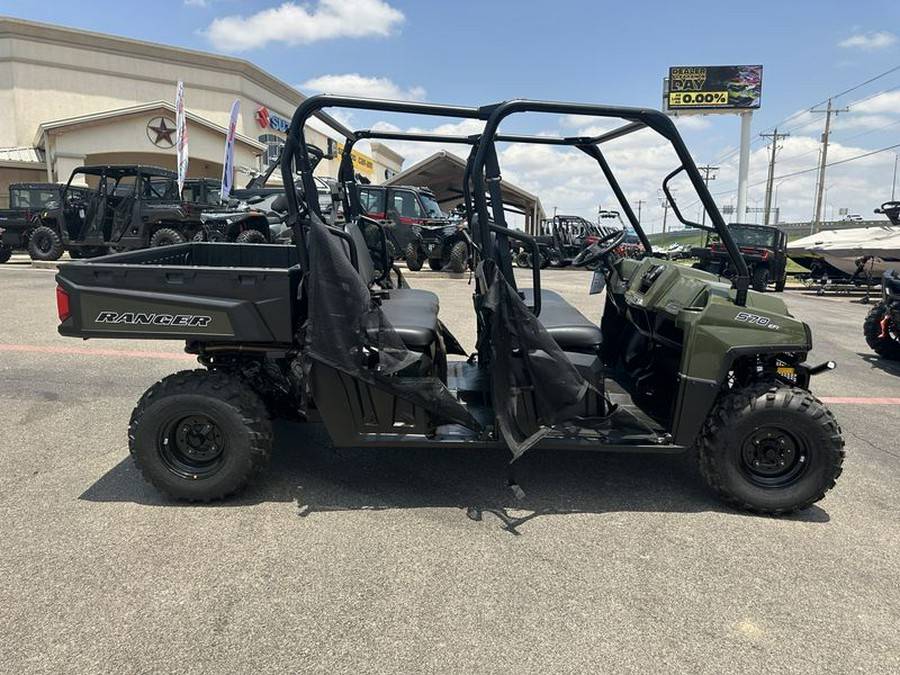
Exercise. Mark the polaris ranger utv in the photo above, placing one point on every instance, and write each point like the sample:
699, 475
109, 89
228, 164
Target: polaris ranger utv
127, 207
763, 248
681, 360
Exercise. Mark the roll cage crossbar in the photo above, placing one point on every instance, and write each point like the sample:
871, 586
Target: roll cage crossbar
489, 228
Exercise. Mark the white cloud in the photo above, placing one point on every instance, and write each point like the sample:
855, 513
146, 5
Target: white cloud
295, 24
197, 3
354, 84
869, 41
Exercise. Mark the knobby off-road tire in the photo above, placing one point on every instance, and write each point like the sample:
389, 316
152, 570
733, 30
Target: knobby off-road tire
5, 254
760, 279
436, 264
781, 283
200, 435
770, 449
45, 244
887, 347
413, 260
166, 236
554, 259
251, 237
459, 257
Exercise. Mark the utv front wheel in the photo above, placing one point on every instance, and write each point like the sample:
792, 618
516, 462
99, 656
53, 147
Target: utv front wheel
200, 435
413, 260
166, 236
770, 449
45, 244
459, 257
5, 254
887, 347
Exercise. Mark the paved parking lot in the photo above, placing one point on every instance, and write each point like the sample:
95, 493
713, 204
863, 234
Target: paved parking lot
398, 561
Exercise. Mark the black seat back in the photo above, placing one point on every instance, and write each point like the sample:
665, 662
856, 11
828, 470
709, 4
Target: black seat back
366, 266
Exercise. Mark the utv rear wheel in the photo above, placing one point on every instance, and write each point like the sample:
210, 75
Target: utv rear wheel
251, 237
459, 257
5, 254
887, 347
523, 259
200, 435
781, 283
166, 236
45, 244
413, 260
770, 449
760, 279
554, 259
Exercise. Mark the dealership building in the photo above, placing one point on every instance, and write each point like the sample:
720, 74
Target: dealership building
71, 98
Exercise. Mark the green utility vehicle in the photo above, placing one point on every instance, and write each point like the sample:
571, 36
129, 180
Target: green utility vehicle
682, 361
124, 207
26, 201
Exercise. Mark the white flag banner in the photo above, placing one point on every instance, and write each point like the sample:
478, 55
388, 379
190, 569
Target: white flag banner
228, 162
181, 134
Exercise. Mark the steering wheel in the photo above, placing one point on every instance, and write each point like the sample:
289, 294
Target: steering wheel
598, 251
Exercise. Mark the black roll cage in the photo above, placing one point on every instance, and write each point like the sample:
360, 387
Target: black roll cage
489, 230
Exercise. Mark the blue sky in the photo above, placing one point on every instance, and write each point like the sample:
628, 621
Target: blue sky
474, 52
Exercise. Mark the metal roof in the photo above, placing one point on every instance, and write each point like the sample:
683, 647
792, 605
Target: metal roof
443, 173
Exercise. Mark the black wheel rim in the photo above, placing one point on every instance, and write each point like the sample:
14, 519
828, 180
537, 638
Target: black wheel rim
774, 457
192, 446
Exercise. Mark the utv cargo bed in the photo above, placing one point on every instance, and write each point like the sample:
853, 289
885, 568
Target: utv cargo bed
220, 292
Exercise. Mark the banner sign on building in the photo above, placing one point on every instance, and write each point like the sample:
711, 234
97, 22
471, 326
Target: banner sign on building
714, 87
228, 162
181, 134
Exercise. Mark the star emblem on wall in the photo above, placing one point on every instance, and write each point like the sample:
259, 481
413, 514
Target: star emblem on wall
161, 132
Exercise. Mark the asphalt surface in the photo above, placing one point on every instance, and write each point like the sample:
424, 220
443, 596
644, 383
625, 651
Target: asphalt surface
399, 561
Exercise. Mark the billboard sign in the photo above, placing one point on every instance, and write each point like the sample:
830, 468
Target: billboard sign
714, 87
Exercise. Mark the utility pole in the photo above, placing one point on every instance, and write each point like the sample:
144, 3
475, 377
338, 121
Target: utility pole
664, 202
708, 175
768, 207
820, 188
640, 202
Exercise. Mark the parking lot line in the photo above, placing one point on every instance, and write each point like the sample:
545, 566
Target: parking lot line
48, 349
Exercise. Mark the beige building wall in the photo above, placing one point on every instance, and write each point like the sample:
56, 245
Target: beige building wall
49, 73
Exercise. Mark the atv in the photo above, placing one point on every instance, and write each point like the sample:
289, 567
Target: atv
764, 251
681, 361
882, 325
445, 247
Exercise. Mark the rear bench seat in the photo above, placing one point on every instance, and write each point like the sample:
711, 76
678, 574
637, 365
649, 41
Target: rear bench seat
412, 312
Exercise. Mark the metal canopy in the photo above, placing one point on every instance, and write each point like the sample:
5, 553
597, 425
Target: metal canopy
443, 174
